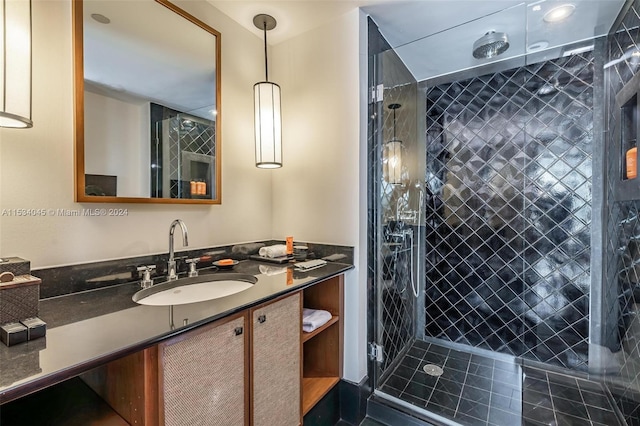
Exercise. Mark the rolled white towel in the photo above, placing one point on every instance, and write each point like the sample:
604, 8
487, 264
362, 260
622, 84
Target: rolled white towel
277, 250
271, 270
314, 318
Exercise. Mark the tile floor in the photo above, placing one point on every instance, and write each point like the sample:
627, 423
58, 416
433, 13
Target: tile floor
478, 390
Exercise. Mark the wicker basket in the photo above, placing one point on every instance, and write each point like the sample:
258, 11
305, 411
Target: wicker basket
15, 265
19, 298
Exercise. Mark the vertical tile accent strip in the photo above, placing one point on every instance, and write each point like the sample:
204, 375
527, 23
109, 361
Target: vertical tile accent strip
621, 325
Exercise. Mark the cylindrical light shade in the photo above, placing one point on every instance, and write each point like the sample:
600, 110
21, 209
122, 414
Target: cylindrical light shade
393, 161
15, 63
268, 125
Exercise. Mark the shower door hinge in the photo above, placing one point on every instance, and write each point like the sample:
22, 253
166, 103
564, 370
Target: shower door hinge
376, 352
377, 93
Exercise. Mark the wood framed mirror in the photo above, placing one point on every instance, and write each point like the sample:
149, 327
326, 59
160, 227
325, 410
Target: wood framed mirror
147, 104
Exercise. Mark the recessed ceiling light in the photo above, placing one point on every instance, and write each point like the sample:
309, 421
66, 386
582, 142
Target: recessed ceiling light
538, 45
100, 18
536, 8
559, 13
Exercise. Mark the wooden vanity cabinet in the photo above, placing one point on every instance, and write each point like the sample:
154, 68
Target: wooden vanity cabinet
196, 378
129, 385
276, 363
256, 367
203, 375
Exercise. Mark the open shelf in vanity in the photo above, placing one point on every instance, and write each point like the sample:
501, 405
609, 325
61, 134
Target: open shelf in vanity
322, 348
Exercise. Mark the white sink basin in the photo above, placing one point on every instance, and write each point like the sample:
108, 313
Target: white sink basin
196, 289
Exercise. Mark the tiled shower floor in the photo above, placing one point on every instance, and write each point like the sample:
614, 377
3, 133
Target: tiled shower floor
477, 390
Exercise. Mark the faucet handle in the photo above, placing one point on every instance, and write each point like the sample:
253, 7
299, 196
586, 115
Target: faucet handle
193, 272
146, 281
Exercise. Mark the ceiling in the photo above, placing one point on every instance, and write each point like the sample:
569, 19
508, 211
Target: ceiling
432, 37
164, 58
435, 37
293, 17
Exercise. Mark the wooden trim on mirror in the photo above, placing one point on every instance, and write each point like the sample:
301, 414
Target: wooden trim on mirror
79, 149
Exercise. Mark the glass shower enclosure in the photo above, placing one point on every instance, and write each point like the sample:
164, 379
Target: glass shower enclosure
501, 267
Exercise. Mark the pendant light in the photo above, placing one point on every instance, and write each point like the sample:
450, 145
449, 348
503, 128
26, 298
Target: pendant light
268, 121
393, 153
15, 63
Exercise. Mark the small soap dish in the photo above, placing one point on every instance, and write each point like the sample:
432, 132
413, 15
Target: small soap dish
225, 265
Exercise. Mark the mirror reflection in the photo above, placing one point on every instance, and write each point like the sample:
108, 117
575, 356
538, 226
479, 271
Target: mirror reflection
150, 94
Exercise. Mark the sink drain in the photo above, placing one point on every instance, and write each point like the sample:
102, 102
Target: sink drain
433, 370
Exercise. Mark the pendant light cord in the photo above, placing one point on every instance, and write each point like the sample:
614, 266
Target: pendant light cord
394, 124
266, 63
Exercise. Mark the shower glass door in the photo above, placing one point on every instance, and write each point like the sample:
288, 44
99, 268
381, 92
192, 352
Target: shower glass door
395, 238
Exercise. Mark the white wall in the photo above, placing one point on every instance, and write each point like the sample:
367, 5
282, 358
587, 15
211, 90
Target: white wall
319, 195
36, 166
320, 192
121, 150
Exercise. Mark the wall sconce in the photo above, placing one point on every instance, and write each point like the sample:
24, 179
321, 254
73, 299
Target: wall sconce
268, 119
15, 63
393, 153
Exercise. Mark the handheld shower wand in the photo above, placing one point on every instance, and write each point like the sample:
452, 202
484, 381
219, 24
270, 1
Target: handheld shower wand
415, 270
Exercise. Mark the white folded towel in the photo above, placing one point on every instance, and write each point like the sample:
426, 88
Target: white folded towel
314, 318
278, 250
271, 270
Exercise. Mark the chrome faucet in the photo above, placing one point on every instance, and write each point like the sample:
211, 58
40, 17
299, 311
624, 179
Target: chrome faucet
171, 265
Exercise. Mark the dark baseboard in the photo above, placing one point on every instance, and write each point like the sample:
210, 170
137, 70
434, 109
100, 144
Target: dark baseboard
346, 402
327, 411
353, 400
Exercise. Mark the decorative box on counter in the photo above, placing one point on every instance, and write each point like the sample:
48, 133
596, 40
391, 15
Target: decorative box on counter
19, 298
15, 265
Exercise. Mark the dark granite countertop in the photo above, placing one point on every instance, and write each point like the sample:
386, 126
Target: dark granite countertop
90, 328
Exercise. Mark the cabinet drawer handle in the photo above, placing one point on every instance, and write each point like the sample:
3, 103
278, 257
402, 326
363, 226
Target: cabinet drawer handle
238, 331
262, 318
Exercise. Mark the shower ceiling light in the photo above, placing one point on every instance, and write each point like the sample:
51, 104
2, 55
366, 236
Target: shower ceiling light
559, 13
268, 119
490, 45
15, 63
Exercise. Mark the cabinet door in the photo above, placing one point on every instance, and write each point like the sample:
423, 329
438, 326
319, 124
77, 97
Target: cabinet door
202, 376
276, 362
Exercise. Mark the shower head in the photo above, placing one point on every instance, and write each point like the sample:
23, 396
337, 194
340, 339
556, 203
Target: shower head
489, 45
